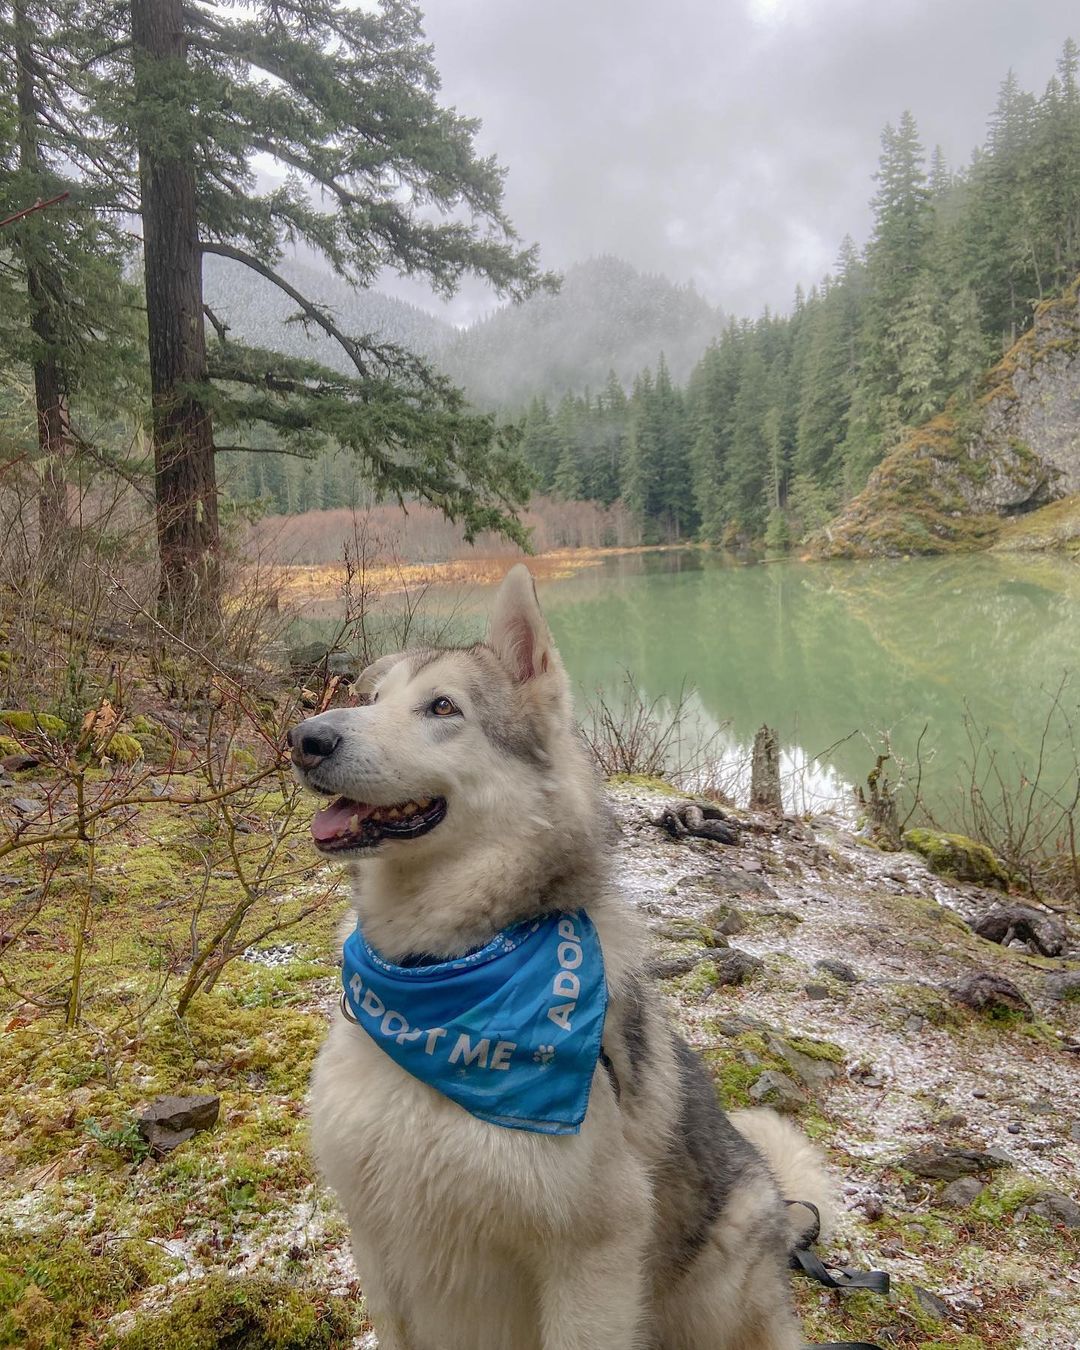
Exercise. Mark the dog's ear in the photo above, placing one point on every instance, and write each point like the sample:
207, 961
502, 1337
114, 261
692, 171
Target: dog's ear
371, 675
519, 633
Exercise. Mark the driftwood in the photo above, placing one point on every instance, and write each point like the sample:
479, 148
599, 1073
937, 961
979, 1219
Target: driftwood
702, 821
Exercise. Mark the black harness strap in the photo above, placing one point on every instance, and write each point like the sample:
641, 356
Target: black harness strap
805, 1261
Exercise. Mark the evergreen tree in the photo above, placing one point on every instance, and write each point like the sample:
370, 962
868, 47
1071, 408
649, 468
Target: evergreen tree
68, 316
346, 98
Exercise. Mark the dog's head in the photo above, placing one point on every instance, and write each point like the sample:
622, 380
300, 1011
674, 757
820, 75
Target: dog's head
455, 746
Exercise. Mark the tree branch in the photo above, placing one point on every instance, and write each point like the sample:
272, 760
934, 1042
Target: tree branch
348, 345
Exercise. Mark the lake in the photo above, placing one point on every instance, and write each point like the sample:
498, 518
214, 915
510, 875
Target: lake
834, 656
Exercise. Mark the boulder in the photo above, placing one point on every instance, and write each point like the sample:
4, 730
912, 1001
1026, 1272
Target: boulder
1057, 1208
778, 1090
839, 970
1064, 984
957, 856
989, 993
734, 966
962, 1193
943, 1163
1044, 932
170, 1121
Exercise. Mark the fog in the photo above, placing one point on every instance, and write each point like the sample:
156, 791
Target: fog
730, 143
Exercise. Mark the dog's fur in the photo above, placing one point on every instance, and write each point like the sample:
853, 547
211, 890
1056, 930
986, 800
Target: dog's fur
660, 1226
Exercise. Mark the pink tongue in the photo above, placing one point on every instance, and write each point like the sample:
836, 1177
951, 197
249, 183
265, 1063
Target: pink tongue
336, 819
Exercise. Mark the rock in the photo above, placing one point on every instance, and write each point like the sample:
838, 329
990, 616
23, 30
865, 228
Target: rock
26, 806
778, 1090
734, 966
1063, 984
873, 1207
817, 992
1003, 923
669, 968
962, 1192
946, 1164
1057, 1208
170, 1121
1074, 1131
725, 920
317, 658
955, 855
19, 763
815, 1073
839, 970
986, 992
930, 1303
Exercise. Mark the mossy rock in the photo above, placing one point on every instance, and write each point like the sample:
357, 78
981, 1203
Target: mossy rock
254, 1312
124, 748
10, 746
957, 856
30, 722
644, 780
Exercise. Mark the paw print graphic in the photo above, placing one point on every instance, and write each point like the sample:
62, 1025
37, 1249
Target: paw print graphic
544, 1054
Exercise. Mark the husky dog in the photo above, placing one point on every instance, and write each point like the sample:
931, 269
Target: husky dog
464, 802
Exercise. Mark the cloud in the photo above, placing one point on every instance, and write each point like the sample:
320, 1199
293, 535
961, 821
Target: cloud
728, 142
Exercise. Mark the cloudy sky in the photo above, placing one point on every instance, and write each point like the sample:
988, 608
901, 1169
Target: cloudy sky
728, 142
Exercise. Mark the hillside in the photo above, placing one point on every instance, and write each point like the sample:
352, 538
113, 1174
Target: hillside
258, 313
953, 483
812, 972
607, 316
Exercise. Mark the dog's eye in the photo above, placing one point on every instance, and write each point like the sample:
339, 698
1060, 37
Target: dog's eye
443, 707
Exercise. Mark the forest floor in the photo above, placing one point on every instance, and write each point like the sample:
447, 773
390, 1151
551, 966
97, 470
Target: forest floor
229, 1238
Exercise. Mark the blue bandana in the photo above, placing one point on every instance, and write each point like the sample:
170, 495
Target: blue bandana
510, 1032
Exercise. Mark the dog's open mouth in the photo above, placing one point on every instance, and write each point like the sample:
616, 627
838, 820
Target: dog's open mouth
345, 824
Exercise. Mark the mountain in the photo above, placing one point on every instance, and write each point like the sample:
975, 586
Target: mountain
952, 483
257, 312
607, 316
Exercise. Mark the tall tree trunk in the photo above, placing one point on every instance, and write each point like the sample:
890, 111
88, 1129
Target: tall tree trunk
186, 489
54, 435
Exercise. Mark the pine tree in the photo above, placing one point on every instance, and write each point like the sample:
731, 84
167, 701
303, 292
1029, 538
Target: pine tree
69, 316
346, 98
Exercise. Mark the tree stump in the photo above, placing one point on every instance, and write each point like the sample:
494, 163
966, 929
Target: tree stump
765, 772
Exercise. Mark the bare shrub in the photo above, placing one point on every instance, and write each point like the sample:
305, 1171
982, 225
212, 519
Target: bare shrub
425, 535
1028, 813
631, 734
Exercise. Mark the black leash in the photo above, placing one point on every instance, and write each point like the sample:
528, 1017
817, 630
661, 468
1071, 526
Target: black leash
808, 1263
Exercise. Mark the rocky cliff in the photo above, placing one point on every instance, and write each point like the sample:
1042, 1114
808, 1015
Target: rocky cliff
952, 483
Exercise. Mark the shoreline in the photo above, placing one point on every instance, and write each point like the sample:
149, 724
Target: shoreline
309, 583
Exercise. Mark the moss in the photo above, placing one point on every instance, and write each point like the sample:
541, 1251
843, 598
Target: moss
10, 746
1004, 1195
817, 1049
29, 722
253, 1312
701, 979
124, 748
52, 1286
643, 780
957, 856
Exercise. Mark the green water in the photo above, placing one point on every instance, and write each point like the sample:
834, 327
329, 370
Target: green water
828, 651
825, 652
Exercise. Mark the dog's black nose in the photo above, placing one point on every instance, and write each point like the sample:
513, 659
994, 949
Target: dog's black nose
312, 746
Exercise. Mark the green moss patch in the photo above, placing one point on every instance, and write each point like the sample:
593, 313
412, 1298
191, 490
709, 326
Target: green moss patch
957, 856
254, 1313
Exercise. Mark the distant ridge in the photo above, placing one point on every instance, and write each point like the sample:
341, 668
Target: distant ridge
607, 316
257, 311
